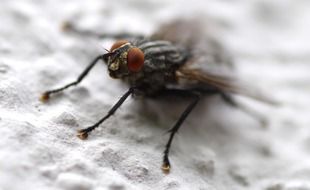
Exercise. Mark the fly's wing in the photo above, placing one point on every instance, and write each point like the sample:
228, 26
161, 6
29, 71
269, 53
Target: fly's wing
182, 32
197, 38
223, 83
209, 64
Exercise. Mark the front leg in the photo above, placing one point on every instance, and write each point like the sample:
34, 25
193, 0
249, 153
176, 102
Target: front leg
83, 133
45, 96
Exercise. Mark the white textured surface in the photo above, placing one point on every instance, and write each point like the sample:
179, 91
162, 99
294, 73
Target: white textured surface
217, 148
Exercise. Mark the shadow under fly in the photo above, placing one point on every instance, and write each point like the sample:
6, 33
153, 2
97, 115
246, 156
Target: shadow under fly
180, 59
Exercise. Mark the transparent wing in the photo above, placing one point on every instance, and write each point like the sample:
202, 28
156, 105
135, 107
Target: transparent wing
199, 40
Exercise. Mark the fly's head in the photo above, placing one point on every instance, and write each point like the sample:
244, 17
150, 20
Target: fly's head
124, 60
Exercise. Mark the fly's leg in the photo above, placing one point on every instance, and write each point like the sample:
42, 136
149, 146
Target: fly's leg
231, 101
83, 133
45, 96
166, 163
70, 27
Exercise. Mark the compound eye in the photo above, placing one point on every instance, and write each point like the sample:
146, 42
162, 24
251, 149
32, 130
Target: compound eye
118, 44
135, 59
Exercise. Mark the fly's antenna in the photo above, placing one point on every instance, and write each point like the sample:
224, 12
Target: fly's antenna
105, 56
107, 50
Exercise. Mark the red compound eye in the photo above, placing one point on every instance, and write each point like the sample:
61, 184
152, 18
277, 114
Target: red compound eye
135, 59
118, 44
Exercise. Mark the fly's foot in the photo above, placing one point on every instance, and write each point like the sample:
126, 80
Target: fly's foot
44, 97
82, 134
166, 166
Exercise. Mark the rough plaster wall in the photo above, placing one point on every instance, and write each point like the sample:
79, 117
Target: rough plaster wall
218, 147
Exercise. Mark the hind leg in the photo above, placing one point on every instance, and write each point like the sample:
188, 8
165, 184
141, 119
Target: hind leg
232, 102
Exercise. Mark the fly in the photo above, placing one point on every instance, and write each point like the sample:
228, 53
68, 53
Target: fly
179, 60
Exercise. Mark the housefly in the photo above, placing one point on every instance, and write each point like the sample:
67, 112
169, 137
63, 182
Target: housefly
180, 59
